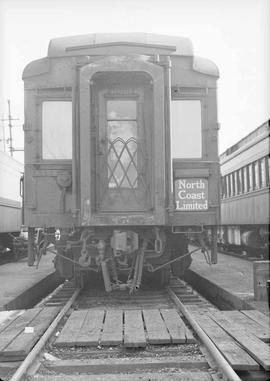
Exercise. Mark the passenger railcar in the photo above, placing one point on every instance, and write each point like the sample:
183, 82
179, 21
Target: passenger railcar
245, 194
121, 154
10, 203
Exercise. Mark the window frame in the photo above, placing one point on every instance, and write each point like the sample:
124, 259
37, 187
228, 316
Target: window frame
240, 181
228, 191
133, 94
138, 120
53, 98
232, 193
187, 94
223, 187
245, 179
263, 176
236, 188
257, 176
250, 177
267, 170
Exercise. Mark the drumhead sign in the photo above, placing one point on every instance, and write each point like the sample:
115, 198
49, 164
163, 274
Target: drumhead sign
191, 194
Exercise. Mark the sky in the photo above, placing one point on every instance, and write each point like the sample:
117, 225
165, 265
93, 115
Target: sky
235, 34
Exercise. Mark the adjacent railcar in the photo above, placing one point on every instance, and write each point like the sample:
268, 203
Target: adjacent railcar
121, 155
10, 203
245, 194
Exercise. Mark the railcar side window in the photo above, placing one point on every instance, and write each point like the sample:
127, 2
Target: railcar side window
223, 187
257, 176
245, 179
57, 130
240, 179
232, 185
263, 172
227, 186
268, 163
186, 129
250, 177
236, 183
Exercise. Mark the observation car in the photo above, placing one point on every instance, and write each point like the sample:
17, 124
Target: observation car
121, 155
10, 203
245, 194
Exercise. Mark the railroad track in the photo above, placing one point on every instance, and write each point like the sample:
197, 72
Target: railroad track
231, 253
143, 352
241, 256
9, 258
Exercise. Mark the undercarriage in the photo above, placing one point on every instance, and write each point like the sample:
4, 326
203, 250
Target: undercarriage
124, 257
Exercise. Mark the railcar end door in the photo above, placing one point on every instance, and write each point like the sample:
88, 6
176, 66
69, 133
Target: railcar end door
122, 142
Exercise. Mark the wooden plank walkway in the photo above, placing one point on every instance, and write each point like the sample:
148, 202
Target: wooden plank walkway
6, 317
90, 330
16, 327
134, 335
72, 328
113, 328
237, 357
259, 317
18, 336
178, 331
249, 325
132, 328
257, 349
156, 330
239, 335
24, 342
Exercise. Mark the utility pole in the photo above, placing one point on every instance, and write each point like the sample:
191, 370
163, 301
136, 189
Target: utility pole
10, 129
10, 139
4, 133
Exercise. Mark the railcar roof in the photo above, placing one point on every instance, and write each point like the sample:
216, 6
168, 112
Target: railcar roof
120, 44
254, 136
9, 162
170, 44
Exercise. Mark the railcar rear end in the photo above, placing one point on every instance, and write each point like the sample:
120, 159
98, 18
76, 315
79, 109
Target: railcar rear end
121, 154
10, 203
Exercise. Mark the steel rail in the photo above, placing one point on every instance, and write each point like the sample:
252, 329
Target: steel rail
48, 297
215, 353
42, 341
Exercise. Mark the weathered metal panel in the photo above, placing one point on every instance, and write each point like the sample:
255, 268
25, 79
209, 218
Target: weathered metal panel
10, 216
58, 76
195, 218
42, 194
184, 74
251, 208
10, 200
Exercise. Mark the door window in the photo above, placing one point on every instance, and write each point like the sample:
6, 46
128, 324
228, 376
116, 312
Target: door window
122, 143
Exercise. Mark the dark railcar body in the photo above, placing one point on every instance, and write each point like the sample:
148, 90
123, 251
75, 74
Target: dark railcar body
100, 114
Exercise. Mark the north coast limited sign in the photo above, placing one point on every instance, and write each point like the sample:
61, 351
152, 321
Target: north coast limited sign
191, 194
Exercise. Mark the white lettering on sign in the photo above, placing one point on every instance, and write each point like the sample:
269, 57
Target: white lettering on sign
191, 194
